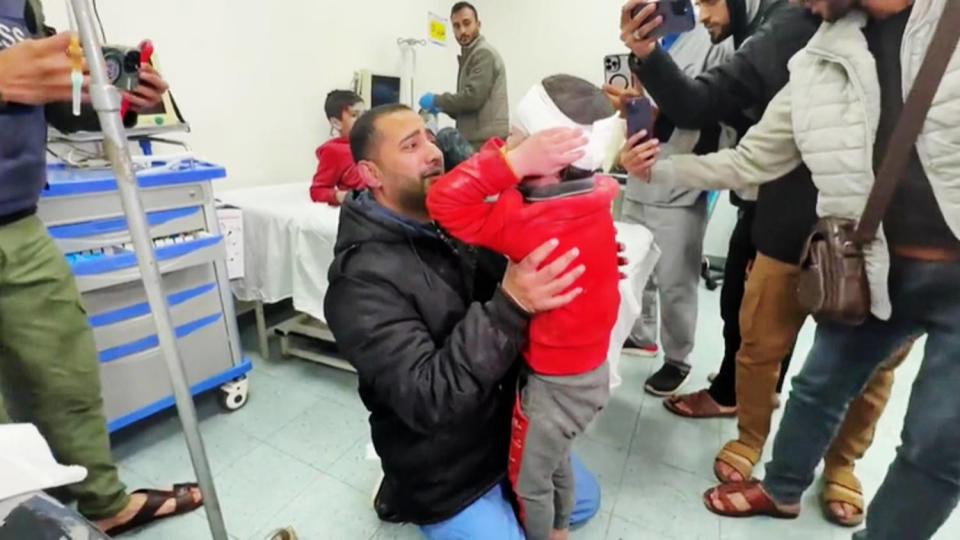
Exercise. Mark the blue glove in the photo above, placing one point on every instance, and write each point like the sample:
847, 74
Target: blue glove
428, 102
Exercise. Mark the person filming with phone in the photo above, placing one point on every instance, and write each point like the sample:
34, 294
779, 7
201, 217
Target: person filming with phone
767, 33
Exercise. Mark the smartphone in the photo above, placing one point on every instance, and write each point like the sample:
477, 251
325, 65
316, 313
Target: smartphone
616, 70
639, 112
677, 16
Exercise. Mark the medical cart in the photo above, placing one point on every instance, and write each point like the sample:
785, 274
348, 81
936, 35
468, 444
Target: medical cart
82, 209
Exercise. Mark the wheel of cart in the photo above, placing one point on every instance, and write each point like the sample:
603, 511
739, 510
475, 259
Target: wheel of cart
233, 395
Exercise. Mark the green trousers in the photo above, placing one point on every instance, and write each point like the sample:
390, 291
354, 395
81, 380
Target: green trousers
49, 371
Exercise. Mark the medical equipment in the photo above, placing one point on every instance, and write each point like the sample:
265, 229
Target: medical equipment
106, 101
375, 89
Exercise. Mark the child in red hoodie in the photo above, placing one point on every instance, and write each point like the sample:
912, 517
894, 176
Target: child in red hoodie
567, 382
336, 172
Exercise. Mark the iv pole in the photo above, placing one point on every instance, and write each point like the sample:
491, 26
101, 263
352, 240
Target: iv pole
106, 101
411, 44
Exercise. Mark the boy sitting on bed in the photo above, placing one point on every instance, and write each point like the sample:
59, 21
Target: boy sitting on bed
336, 173
566, 382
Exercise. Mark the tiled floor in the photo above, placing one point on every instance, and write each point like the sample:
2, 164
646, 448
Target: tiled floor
297, 455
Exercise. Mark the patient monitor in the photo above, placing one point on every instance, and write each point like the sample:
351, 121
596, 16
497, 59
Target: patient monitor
375, 89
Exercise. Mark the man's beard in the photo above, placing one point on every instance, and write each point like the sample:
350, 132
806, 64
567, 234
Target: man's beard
724, 33
466, 40
413, 198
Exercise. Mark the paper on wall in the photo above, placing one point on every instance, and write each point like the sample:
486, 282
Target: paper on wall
231, 227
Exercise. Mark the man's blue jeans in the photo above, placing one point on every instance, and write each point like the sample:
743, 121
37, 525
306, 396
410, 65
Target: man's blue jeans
922, 485
492, 516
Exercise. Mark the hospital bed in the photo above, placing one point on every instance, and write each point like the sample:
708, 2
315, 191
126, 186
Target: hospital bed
288, 247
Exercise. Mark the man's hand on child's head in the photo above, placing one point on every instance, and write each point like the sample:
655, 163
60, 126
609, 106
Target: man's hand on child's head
535, 289
548, 152
638, 158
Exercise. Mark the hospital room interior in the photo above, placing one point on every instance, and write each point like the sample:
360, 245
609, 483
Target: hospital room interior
493, 269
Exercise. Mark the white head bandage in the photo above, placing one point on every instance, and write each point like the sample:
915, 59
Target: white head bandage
537, 112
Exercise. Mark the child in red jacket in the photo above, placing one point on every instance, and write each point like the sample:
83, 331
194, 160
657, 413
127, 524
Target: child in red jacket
336, 172
567, 382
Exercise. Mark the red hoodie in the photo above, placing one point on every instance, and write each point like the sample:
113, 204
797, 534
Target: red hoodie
335, 170
572, 339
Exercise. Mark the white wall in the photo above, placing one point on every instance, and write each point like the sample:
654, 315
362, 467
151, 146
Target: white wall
538, 38
251, 76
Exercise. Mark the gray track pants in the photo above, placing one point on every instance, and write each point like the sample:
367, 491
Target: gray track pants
678, 231
551, 412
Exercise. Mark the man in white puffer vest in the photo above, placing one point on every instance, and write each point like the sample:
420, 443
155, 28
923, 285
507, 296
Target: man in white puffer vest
837, 114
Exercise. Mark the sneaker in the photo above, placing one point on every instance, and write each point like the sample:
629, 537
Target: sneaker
634, 348
667, 380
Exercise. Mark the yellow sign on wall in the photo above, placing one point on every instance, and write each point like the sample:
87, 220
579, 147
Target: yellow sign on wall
437, 29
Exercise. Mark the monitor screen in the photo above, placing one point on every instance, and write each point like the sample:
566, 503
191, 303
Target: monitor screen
386, 90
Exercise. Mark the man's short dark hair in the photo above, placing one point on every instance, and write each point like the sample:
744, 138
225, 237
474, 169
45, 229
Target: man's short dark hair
464, 5
364, 132
339, 101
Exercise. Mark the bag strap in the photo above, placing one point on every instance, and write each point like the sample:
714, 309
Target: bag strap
911, 121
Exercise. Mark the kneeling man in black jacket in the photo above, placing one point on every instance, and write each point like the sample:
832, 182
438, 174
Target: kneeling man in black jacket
435, 331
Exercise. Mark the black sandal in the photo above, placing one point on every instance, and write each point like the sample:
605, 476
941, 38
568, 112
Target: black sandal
156, 498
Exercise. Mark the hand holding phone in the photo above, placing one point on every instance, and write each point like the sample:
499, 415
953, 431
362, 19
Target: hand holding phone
677, 17
639, 113
642, 24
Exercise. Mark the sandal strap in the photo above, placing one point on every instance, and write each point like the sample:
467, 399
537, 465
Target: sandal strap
154, 500
752, 492
740, 457
834, 492
746, 452
843, 477
183, 494
755, 497
701, 404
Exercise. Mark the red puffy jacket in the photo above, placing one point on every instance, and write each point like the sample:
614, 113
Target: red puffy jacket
572, 339
335, 170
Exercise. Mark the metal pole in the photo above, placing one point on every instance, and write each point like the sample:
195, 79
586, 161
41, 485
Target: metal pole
106, 101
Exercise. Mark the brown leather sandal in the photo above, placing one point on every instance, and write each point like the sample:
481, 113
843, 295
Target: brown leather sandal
698, 405
181, 493
760, 504
842, 487
738, 457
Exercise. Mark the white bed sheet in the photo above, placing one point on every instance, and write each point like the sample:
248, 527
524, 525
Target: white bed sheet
288, 245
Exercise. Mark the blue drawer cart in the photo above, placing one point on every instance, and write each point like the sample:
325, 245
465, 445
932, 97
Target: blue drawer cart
82, 210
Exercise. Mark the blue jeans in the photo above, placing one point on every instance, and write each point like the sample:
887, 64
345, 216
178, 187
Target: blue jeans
922, 485
492, 516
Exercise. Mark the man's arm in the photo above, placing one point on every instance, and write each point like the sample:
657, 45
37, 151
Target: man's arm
477, 84
429, 385
754, 74
766, 153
